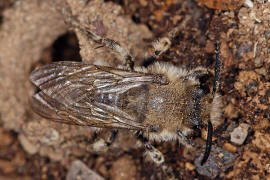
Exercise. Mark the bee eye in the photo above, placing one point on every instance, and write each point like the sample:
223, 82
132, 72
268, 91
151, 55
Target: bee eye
199, 93
205, 83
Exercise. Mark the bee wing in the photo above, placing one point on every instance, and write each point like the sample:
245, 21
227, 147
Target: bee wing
68, 91
52, 109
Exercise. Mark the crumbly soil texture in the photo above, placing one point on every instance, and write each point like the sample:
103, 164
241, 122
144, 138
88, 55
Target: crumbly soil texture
34, 33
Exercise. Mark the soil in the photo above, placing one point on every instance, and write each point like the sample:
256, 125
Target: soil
34, 32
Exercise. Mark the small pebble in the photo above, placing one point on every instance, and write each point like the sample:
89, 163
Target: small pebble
219, 161
267, 168
78, 170
248, 3
189, 166
51, 136
143, 3
27, 145
239, 134
230, 147
98, 146
5, 138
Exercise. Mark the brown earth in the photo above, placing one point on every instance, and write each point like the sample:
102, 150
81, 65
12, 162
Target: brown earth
33, 32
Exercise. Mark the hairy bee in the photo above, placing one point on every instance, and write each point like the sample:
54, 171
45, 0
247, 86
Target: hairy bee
160, 102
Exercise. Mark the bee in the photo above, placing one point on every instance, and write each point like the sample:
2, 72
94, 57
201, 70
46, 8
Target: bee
159, 102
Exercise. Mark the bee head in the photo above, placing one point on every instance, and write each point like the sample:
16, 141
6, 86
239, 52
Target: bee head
199, 90
209, 102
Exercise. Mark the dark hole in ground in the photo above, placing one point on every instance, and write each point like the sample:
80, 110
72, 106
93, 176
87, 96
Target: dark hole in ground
120, 2
66, 48
4, 5
136, 18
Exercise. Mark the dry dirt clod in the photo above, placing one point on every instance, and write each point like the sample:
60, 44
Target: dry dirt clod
27, 145
219, 161
6, 166
122, 169
230, 147
239, 134
189, 166
262, 141
222, 4
79, 171
5, 138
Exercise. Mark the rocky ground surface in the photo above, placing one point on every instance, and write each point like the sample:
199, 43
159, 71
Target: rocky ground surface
33, 33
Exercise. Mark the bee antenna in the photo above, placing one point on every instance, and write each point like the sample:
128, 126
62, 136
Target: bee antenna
208, 143
217, 68
216, 86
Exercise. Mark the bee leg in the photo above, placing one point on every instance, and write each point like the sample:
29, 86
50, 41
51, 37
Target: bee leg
113, 45
217, 68
74, 22
199, 72
196, 73
162, 44
158, 158
109, 43
155, 156
101, 145
114, 134
184, 140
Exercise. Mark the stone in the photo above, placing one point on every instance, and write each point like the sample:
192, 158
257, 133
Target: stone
78, 170
239, 134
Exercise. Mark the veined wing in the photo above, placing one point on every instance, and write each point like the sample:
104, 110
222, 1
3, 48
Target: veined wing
78, 93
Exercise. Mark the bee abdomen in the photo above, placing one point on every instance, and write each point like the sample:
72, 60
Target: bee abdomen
132, 102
